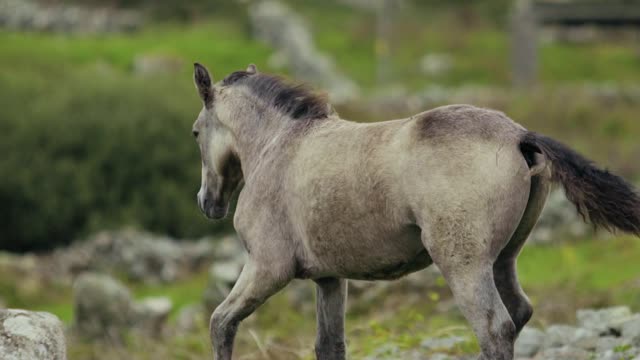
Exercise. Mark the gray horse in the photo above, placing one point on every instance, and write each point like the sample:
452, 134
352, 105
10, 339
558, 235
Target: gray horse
328, 199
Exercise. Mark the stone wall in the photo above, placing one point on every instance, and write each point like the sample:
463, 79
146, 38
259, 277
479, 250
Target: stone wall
28, 15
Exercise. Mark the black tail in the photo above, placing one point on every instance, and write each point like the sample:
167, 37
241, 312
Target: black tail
605, 199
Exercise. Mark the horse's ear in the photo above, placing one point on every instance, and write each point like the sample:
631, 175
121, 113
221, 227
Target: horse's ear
252, 69
203, 83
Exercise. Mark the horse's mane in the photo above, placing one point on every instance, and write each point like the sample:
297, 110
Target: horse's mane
295, 100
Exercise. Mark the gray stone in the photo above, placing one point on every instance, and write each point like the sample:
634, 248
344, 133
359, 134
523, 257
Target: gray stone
619, 353
26, 335
600, 344
630, 329
441, 357
563, 353
383, 352
301, 295
529, 342
141, 256
447, 343
191, 318
150, 315
226, 271
436, 64
103, 307
31, 15
283, 29
561, 335
558, 217
601, 320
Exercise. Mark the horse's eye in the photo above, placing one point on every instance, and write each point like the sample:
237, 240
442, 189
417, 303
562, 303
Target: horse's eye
196, 133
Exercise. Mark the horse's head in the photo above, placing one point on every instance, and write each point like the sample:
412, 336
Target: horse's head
221, 171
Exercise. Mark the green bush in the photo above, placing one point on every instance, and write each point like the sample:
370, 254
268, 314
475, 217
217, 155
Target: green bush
89, 149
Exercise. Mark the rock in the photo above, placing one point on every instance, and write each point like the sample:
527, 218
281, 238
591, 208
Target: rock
191, 318
223, 273
630, 329
150, 315
226, 272
140, 256
563, 353
561, 335
103, 307
529, 342
386, 351
601, 320
214, 294
283, 29
32, 15
26, 335
619, 353
600, 344
447, 343
558, 217
301, 295
436, 64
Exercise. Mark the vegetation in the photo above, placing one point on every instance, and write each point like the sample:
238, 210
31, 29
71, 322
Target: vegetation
88, 143
559, 279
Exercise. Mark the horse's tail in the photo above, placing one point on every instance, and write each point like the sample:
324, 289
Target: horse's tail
604, 199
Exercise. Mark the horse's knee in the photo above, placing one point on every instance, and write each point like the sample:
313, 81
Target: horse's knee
221, 328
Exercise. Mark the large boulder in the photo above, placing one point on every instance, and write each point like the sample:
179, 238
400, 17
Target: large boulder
104, 309
26, 335
286, 31
34, 15
141, 256
229, 260
602, 320
559, 217
529, 342
150, 315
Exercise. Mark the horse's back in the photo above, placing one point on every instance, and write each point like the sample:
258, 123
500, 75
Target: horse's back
359, 193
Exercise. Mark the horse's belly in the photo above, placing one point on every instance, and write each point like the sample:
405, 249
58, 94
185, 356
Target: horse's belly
394, 270
365, 255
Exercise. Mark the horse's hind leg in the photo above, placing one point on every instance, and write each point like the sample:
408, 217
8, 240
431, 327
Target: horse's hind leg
504, 269
254, 286
471, 281
331, 296
464, 240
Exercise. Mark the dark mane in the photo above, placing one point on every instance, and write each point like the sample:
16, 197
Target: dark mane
295, 100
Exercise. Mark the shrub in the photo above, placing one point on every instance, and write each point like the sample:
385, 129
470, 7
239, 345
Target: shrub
89, 149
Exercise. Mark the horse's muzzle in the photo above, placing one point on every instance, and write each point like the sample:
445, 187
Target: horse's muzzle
210, 208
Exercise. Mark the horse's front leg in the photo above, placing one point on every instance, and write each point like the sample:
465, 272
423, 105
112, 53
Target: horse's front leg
257, 282
331, 297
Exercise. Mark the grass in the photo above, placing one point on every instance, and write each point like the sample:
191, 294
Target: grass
480, 49
221, 44
559, 279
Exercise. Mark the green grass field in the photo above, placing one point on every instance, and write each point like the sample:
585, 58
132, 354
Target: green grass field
66, 73
559, 278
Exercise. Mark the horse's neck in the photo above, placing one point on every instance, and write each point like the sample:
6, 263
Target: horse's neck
259, 130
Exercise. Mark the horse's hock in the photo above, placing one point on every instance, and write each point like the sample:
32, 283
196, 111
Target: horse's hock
26, 335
